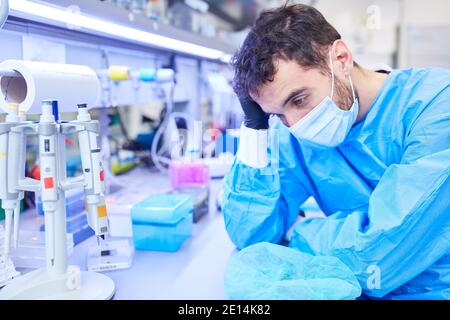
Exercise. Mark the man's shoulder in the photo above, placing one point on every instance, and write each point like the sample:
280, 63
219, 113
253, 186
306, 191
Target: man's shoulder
418, 88
431, 79
425, 97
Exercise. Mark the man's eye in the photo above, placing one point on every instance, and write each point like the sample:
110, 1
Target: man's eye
298, 102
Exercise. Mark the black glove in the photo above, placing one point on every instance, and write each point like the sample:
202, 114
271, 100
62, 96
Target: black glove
255, 117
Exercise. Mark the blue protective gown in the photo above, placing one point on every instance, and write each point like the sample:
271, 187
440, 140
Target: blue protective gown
385, 191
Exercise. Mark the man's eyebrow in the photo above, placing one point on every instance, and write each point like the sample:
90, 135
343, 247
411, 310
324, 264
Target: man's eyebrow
293, 94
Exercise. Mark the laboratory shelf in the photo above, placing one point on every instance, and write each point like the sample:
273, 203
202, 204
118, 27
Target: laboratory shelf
26, 22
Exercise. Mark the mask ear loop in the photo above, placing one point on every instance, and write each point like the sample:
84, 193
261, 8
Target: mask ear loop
332, 75
332, 80
353, 90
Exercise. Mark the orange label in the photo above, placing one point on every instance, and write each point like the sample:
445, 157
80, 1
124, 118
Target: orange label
101, 210
48, 183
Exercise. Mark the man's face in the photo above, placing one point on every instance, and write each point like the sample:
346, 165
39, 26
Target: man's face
295, 91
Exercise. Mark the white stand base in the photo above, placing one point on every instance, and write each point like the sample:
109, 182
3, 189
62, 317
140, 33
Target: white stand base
39, 285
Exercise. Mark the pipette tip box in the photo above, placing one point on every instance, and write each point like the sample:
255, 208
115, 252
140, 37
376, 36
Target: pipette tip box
162, 222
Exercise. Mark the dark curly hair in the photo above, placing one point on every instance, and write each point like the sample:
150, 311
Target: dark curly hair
292, 32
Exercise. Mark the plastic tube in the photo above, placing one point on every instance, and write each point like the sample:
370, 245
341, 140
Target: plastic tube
159, 133
157, 159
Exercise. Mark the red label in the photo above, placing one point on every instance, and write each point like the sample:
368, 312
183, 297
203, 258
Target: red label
102, 176
48, 183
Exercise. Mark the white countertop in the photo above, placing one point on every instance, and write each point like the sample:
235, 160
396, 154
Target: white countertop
196, 271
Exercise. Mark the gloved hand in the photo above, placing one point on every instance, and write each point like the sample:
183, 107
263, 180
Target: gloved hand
255, 117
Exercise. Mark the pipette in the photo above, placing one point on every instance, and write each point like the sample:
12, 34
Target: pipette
93, 172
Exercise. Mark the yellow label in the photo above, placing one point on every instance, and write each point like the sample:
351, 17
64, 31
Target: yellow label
119, 73
3, 154
101, 210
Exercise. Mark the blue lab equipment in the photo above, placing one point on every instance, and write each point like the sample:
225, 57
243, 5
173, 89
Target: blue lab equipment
384, 190
76, 222
73, 164
145, 140
78, 227
269, 271
74, 203
82, 234
162, 222
147, 74
55, 110
73, 223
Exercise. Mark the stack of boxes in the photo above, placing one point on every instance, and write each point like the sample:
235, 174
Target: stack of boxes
119, 206
163, 222
191, 178
76, 223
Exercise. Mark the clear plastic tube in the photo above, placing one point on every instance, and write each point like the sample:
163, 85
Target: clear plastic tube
159, 133
158, 159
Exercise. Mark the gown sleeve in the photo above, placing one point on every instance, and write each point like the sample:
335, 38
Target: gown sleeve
261, 204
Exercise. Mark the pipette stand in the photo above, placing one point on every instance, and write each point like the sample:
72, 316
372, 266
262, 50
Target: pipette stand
57, 280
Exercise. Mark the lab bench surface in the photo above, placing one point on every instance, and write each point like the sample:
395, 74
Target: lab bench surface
194, 272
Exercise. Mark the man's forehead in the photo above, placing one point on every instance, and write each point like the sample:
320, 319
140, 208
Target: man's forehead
285, 70
289, 76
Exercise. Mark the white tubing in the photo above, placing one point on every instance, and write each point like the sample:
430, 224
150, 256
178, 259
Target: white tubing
154, 147
157, 159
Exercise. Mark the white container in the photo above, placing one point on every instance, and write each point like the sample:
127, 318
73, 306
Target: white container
119, 206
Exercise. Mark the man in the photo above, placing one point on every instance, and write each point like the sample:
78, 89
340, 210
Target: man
372, 148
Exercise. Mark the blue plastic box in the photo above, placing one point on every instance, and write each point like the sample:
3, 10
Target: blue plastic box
82, 234
162, 222
74, 203
73, 223
79, 233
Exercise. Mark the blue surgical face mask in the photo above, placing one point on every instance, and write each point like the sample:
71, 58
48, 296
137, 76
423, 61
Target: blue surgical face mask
327, 125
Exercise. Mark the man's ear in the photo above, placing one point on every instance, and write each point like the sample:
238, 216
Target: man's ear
342, 57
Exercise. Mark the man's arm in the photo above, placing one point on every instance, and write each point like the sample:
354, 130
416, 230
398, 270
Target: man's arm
261, 202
